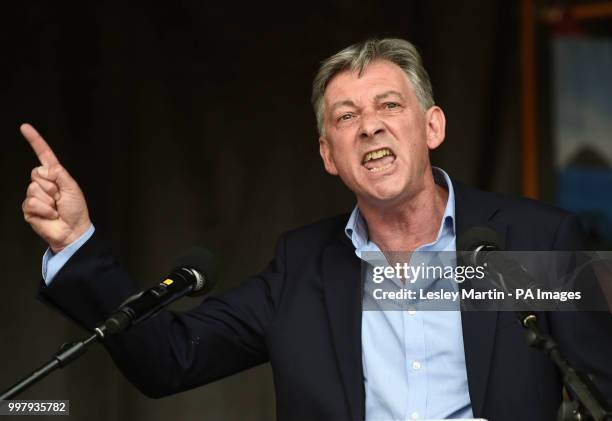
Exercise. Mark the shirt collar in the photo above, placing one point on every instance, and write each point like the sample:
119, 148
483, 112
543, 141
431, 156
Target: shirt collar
356, 228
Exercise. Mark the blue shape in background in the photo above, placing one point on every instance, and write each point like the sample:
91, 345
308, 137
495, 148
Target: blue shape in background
588, 192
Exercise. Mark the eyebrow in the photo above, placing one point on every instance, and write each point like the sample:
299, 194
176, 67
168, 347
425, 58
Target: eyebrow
388, 94
338, 104
349, 103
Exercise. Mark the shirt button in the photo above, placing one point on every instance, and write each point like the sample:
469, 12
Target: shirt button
416, 365
414, 416
412, 312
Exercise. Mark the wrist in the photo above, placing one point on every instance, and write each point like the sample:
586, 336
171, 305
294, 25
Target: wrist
72, 237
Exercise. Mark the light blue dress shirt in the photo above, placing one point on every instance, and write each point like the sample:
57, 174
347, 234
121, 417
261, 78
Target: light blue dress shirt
52, 263
413, 361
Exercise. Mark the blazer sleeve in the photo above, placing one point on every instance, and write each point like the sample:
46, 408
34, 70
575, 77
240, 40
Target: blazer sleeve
172, 351
584, 337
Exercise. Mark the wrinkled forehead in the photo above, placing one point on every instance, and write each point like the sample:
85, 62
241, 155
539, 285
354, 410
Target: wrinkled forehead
376, 78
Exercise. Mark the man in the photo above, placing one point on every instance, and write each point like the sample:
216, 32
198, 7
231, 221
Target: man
331, 360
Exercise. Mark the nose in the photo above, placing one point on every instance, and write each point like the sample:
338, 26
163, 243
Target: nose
371, 125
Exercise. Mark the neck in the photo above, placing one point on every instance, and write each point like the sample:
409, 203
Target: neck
408, 224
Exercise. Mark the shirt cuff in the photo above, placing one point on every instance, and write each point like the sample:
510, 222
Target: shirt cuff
52, 263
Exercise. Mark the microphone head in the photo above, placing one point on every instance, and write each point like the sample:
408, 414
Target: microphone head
476, 237
201, 261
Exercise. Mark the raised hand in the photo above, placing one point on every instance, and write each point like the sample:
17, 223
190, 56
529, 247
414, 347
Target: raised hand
54, 205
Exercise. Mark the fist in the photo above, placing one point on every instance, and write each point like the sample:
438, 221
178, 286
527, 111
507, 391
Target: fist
54, 205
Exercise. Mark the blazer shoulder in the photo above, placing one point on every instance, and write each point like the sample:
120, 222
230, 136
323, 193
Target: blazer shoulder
548, 226
513, 204
318, 233
303, 246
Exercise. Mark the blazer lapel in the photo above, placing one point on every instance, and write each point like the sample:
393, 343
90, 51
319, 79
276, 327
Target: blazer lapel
343, 298
478, 326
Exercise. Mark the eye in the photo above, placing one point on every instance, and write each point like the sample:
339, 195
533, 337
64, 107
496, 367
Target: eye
345, 117
390, 105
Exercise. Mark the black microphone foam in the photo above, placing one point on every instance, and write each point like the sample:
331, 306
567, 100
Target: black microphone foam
476, 237
203, 261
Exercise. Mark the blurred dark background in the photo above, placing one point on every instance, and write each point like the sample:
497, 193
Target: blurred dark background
188, 123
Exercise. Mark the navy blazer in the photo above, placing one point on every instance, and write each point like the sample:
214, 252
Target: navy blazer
303, 315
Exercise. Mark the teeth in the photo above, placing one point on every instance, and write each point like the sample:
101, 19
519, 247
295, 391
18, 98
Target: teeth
377, 169
377, 154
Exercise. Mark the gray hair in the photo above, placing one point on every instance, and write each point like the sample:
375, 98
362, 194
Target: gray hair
358, 56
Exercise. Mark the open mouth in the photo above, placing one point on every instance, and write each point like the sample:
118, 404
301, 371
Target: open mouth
378, 160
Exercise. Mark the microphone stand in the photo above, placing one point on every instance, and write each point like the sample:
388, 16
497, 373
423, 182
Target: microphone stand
66, 354
589, 403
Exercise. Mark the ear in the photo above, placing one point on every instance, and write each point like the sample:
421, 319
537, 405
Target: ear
436, 127
327, 156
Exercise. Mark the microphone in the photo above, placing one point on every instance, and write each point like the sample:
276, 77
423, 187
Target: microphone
478, 241
194, 274
482, 246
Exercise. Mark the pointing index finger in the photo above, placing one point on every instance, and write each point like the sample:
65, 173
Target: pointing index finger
41, 148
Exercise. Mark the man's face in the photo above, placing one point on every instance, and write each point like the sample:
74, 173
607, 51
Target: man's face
377, 136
